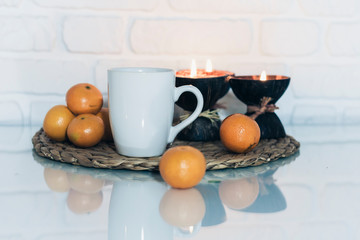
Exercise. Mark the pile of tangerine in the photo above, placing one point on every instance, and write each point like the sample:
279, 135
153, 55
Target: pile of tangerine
83, 120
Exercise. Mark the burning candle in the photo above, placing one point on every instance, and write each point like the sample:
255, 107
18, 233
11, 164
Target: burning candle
263, 76
250, 89
213, 84
193, 71
208, 72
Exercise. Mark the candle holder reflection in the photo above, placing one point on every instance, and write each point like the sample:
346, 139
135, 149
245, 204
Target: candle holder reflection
260, 96
270, 198
253, 194
215, 211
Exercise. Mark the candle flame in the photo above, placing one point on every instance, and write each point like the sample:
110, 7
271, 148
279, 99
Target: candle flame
193, 72
209, 67
263, 76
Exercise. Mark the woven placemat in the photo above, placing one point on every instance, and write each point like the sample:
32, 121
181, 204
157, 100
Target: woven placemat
104, 155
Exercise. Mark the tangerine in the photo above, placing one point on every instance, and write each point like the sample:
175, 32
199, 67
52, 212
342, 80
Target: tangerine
239, 133
84, 98
104, 115
56, 121
85, 130
182, 166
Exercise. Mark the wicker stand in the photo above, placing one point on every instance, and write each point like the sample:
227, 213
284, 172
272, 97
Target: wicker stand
104, 154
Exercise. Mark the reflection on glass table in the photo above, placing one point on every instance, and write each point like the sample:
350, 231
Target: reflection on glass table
142, 206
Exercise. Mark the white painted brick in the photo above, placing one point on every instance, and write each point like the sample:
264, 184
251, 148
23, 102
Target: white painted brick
322, 230
27, 109
232, 6
321, 134
38, 111
244, 68
145, 5
289, 37
341, 200
94, 34
327, 81
103, 66
41, 76
170, 36
343, 39
13, 116
26, 34
10, 3
314, 114
329, 8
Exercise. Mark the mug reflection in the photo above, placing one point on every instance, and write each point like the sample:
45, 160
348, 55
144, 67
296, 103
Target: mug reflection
134, 210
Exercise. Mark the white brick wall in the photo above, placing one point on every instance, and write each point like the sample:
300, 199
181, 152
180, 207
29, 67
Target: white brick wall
9, 3
344, 8
93, 35
232, 6
289, 37
46, 46
21, 34
166, 36
100, 5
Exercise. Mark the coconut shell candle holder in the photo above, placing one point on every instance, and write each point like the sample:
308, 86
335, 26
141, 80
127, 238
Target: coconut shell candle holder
213, 86
260, 96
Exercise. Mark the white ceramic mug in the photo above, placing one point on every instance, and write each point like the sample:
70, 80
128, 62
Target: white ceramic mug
141, 109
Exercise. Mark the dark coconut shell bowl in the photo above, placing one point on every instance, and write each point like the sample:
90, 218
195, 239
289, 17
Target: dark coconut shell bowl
250, 90
212, 89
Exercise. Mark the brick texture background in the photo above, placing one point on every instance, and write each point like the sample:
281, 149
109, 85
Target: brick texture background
46, 46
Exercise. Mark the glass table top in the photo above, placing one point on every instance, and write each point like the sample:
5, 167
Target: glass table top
313, 194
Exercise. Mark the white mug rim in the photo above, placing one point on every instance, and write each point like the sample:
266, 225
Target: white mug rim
141, 70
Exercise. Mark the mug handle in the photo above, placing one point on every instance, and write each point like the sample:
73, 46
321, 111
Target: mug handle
174, 130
